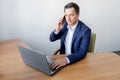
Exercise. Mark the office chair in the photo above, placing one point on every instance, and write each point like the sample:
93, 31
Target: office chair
91, 45
92, 42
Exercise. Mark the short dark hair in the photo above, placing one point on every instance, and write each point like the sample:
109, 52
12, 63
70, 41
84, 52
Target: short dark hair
70, 5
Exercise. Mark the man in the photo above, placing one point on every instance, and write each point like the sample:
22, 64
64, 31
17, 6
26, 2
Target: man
74, 36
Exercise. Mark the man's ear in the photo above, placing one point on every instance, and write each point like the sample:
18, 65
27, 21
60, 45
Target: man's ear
78, 14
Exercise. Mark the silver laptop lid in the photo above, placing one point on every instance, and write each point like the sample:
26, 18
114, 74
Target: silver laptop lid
35, 59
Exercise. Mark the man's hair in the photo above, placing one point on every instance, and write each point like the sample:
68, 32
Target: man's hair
72, 5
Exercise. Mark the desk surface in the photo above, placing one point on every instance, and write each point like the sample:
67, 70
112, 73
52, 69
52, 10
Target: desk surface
96, 66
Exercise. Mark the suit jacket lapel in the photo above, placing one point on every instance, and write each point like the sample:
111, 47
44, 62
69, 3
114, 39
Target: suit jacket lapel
64, 36
76, 32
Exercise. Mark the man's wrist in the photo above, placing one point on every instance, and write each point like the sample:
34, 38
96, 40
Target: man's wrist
68, 61
56, 32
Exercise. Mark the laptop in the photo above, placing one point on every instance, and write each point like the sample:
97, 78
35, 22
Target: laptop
37, 60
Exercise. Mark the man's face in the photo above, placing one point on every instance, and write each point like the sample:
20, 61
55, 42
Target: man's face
71, 16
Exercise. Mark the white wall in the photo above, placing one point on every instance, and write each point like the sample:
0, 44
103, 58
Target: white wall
33, 20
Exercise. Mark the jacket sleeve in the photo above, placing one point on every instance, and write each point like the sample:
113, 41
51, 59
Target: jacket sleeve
55, 36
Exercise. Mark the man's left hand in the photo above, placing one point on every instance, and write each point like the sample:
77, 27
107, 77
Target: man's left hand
58, 63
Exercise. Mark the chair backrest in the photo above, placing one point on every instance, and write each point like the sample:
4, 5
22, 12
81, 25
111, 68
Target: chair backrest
92, 42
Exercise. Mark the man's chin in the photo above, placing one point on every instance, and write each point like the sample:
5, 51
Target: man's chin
70, 24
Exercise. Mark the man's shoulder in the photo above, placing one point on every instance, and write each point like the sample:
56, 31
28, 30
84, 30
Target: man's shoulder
83, 25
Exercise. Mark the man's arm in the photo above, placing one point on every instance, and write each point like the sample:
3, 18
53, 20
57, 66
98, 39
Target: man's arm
55, 34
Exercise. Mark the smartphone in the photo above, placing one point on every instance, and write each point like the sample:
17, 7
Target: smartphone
64, 20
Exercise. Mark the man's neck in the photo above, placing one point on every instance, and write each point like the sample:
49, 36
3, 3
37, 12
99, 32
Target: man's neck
71, 26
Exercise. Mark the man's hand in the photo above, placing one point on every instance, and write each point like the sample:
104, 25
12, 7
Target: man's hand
59, 25
58, 63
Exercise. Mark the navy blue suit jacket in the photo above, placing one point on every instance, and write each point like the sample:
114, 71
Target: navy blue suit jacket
80, 41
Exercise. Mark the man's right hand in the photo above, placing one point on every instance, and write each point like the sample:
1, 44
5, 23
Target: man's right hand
59, 25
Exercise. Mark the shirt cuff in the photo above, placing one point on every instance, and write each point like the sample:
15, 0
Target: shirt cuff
56, 32
68, 61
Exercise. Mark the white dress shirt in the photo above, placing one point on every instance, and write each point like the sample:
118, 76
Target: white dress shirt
68, 40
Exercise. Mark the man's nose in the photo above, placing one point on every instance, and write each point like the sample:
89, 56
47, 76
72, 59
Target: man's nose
68, 17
